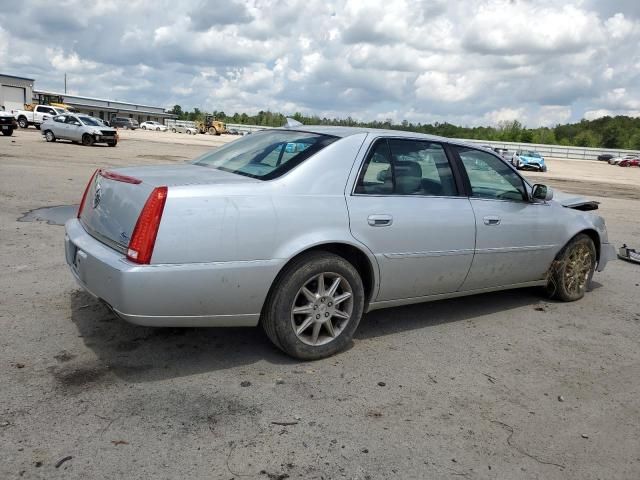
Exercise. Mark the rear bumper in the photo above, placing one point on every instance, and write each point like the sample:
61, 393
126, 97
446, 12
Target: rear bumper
607, 253
219, 294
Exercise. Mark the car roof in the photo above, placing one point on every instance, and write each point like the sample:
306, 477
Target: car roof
343, 132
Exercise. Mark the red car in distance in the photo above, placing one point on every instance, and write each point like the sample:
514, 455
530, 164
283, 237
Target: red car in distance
630, 162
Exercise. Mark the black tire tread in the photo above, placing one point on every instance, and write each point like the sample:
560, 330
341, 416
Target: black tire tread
270, 319
555, 288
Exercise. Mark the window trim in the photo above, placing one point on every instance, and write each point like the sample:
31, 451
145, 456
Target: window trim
457, 177
467, 183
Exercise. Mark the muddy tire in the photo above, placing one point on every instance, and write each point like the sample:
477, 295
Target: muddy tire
572, 270
49, 136
87, 140
314, 307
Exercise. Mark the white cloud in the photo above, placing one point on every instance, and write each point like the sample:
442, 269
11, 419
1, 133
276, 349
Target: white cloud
471, 62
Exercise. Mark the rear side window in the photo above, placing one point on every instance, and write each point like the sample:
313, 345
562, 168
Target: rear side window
266, 155
407, 167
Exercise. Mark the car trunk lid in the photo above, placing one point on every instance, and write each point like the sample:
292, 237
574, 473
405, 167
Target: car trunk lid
116, 197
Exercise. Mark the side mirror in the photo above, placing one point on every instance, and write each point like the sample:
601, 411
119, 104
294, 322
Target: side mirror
541, 192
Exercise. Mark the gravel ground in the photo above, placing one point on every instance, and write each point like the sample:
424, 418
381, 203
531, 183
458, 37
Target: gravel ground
498, 386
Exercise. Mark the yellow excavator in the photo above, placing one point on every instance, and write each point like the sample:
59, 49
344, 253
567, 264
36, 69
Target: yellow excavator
211, 126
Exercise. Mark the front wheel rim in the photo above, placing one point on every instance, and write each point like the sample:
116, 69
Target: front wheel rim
578, 269
322, 309
49, 136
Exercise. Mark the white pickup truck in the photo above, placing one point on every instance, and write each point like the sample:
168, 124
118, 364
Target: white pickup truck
36, 116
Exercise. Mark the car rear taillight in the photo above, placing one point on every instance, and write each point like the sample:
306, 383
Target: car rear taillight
144, 234
86, 190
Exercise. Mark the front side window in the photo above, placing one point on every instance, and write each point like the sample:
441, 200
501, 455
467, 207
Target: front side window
265, 155
407, 167
491, 177
90, 121
72, 120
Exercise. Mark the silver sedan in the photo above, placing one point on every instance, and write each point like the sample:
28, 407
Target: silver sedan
304, 230
78, 128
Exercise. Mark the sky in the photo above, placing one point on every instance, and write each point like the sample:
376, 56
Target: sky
471, 62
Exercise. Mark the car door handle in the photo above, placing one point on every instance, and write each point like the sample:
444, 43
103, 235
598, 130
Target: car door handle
380, 220
491, 220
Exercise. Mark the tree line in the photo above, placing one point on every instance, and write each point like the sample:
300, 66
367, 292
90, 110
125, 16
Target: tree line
605, 132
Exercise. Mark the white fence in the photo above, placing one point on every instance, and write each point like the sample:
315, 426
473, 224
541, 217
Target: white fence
169, 122
245, 128
552, 151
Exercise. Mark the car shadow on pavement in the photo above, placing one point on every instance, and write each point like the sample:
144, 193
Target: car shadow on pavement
424, 315
141, 354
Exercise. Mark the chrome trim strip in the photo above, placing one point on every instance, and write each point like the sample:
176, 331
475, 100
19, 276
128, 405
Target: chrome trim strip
529, 248
434, 253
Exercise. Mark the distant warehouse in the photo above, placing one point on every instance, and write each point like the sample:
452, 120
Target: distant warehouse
104, 109
16, 92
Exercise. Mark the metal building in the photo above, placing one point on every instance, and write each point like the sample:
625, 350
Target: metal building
15, 92
105, 109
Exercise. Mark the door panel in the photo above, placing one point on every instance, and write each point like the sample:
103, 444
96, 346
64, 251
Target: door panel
425, 248
516, 239
405, 209
516, 242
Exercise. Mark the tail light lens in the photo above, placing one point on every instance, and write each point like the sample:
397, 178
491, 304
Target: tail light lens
145, 232
86, 190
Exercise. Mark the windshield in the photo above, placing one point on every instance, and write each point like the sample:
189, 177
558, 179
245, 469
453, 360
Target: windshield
265, 155
531, 154
89, 121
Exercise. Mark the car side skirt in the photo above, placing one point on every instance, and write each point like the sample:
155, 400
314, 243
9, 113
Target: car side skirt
444, 296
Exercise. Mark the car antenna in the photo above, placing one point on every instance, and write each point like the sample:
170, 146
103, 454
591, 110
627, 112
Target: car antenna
291, 123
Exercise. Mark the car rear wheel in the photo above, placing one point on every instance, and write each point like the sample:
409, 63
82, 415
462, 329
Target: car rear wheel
144, 127
572, 270
315, 306
22, 122
87, 140
49, 136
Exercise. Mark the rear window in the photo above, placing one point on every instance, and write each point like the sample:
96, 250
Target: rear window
265, 155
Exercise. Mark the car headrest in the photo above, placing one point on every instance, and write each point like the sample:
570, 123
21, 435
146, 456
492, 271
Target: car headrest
408, 177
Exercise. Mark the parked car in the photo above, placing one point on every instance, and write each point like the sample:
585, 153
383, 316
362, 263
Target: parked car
36, 116
149, 125
630, 162
528, 160
296, 231
124, 122
605, 157
78, 128
8, 123
617, 160
184, 129
504, 153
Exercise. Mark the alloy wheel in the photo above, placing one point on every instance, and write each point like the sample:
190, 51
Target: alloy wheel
577, 269
322, 309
